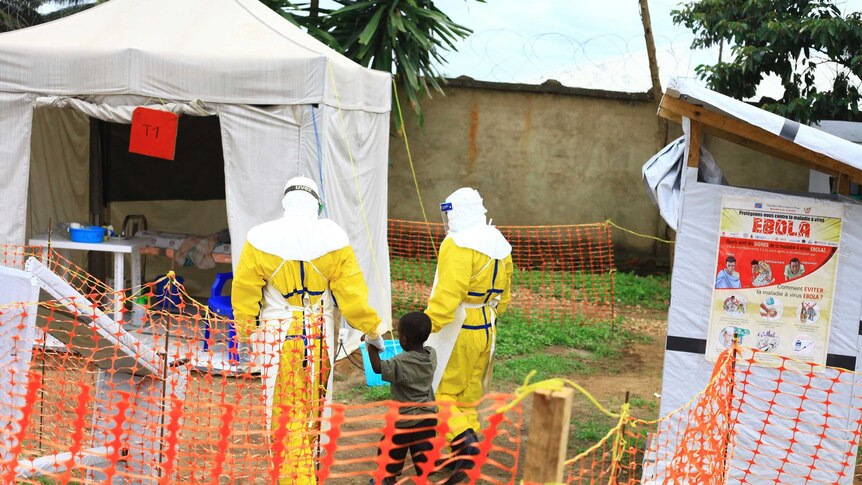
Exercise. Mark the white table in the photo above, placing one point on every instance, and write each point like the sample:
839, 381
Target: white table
119, 247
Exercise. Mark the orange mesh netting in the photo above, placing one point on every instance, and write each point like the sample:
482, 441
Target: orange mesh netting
792, 422
560, 271
85, 399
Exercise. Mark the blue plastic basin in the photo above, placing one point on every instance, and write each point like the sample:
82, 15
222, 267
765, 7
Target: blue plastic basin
391, 349
87, 234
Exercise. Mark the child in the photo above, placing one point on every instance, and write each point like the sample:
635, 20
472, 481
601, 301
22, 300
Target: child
410, 374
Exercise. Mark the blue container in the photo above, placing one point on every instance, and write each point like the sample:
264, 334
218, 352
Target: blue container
168, 301
87, 234
391, 349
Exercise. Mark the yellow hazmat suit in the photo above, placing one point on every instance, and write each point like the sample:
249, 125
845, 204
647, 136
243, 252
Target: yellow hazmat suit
283, 302
472, 287
466, 276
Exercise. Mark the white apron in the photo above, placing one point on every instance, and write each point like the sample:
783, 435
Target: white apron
443, 341
273, 331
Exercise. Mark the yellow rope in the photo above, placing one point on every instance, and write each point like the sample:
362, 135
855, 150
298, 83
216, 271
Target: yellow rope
610, 222
356, 181
619, 442
597, 445
555, 384
627, 419
410, 160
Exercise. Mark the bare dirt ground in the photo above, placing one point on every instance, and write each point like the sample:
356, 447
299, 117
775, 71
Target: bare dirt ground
641, 366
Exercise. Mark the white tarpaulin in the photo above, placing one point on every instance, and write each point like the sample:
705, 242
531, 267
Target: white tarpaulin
686, 369
662, 176
16, 118
694, 92
18, 294
782, 427
288, 105
228, 51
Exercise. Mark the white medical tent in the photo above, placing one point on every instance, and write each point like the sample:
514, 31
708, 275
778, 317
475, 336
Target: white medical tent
287, 105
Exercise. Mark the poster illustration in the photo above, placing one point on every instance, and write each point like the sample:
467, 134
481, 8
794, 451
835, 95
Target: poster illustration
775, 277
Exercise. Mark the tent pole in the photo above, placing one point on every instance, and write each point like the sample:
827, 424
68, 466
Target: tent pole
97, 261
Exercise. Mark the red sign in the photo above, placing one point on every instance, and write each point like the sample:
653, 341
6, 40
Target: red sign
763, 263
154, 133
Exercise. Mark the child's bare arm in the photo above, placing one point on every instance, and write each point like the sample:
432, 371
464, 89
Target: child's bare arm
374, 357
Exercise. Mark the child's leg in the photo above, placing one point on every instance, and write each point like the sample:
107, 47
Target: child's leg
396, 455
420, 443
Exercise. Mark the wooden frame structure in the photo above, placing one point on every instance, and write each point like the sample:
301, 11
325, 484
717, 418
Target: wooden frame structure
675, 107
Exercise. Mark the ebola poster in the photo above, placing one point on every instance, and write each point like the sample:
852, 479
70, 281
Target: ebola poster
775, 277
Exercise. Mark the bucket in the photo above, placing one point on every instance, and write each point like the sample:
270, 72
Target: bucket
391, 348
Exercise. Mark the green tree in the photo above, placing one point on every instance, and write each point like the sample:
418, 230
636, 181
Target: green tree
409, 35
18, 14
788, 38
306, 15
405, 37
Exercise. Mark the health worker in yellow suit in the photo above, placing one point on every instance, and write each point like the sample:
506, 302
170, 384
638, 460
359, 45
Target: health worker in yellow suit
291, 274
472, 288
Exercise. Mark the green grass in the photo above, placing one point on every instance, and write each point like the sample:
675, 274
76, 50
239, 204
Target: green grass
574, 347
647, 404
600, 338
592, 429
370, 394
413, 270
651, 292
588, 426
645, 291
514, 370
40, 480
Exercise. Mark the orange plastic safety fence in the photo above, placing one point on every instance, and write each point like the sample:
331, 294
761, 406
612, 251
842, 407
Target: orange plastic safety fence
783, 421
561, 272
613, 461
87, 399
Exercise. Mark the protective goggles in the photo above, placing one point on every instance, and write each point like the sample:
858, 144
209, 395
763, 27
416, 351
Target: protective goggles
445, 209
308, 190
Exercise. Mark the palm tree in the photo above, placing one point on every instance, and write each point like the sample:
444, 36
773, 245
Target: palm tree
17, 14
407, 35
403, 37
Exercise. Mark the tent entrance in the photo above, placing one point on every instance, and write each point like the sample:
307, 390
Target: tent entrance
196, 173
82, 171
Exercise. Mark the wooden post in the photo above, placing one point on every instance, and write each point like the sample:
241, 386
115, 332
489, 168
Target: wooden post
623, 427
549, 435
694, 146
843, 184
663, 128
650, 47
